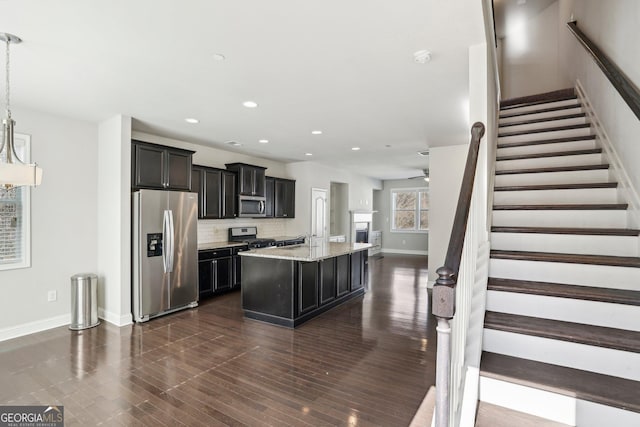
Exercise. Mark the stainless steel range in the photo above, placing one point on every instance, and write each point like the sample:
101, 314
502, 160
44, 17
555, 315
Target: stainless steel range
249, 235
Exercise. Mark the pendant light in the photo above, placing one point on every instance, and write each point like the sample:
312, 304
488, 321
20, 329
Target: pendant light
13, 172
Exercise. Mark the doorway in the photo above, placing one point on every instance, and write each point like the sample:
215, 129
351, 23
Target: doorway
318, 216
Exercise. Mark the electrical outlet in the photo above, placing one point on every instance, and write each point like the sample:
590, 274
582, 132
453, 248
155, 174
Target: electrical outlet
52, 296
404, 242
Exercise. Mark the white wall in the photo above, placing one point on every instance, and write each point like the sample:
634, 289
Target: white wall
114, 220
310, 175
614, 26
445, 172
394, 242
530, 55
63, 223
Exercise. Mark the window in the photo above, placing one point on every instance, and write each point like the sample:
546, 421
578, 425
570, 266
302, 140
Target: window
410, 210
15, 222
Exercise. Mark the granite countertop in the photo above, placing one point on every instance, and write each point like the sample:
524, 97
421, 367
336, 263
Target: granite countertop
308, 253
218, 245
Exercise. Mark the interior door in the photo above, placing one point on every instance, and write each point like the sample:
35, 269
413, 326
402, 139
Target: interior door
319, 215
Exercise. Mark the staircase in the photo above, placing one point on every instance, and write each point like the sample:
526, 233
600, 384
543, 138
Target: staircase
562, 327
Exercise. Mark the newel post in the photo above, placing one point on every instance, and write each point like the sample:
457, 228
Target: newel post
443, 307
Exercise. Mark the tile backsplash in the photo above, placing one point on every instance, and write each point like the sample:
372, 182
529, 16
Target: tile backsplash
216, 230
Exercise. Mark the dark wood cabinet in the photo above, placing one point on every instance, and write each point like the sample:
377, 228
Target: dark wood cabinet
211, 194
327, 280
159, 167
307, 287
215, 271
280, 198
285, 198
250, 179
357, 270
343, 274
237, 265
216, 192
289, 292
229, 198
270, 197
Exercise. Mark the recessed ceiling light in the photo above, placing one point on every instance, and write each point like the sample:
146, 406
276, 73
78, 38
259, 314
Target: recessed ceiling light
423, 153
388, 146
308, 154
233, 143
422, 56
250, 104
355, 148
219, 57
316, 132
263, 141
191, 120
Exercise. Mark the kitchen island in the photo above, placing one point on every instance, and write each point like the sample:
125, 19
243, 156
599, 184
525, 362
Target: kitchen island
288, 286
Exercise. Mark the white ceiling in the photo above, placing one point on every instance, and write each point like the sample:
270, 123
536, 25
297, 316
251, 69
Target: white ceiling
344, 67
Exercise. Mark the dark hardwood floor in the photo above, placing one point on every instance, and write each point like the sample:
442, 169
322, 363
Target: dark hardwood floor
367, 362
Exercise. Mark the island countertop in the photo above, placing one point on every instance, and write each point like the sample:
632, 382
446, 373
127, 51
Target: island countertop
306, 252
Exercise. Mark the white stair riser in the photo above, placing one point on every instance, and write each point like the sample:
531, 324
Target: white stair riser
566, 243
536, 116
561, 218
532, 197
541, 403
590, 414
620, 316
555, 147
617, 363
554, 406
569, 177
604, 276
555, 161
554, 104
539, 136
545, 124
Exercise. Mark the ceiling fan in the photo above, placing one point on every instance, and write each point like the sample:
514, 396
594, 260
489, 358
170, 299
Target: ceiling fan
425, 175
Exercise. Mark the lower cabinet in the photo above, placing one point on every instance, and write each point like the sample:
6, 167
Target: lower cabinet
327, 280
307, 286
323, 282
357, 270
343, 274
215, 271
237, 265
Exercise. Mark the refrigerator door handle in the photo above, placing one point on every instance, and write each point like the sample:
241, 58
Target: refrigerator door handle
166, 241
171, 251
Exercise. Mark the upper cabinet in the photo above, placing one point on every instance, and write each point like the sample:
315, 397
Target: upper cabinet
251, 179
216, 192
269, 196
159, 167
285, 198
280, 198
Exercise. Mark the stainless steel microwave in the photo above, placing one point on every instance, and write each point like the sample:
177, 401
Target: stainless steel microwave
251, 206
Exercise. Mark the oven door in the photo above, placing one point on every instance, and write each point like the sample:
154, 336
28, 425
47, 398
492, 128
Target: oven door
251, 206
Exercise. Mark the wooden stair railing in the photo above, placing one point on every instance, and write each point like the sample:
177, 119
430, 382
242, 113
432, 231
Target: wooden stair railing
625, 87
444, 289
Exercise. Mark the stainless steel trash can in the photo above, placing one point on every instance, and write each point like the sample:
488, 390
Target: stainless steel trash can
84, 301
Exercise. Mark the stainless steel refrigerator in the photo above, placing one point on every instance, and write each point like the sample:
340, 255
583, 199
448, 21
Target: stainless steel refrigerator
165, 252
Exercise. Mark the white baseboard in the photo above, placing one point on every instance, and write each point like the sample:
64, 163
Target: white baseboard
114, 319
33, 327
403, 251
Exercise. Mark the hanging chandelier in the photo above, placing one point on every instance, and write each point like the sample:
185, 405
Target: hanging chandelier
13, 172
